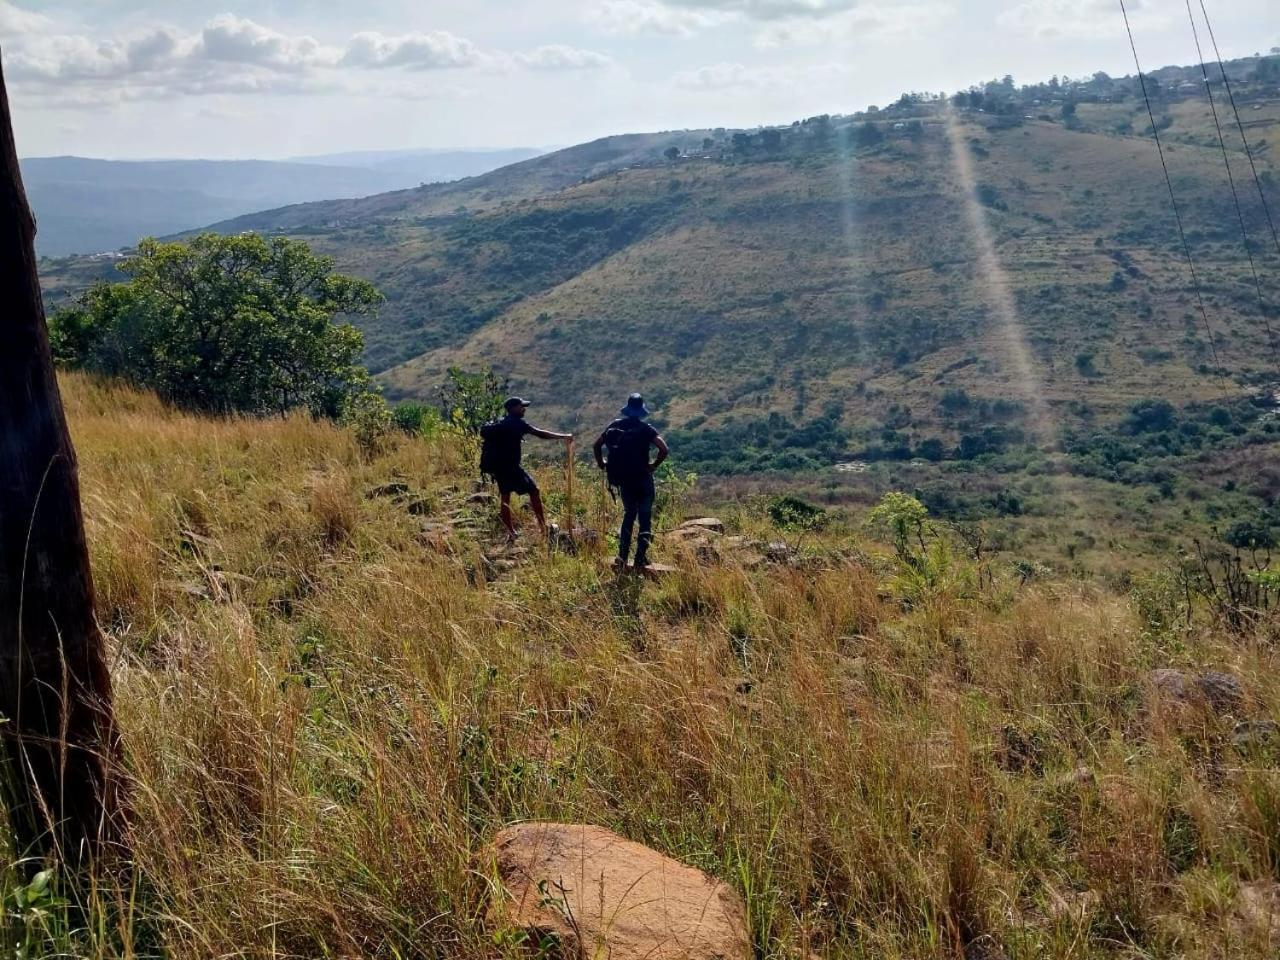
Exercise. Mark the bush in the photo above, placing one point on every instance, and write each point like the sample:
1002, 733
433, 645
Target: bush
224, 324
469, 400
791, 512
415, 418
369, 418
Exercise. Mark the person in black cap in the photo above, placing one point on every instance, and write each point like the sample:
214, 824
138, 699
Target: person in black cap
500, 459
630, 473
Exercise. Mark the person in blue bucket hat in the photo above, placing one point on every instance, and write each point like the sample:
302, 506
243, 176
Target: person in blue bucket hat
630, 474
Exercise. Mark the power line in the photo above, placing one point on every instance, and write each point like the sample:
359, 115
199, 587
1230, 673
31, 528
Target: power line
1248, 152
1235, 196
1177, 215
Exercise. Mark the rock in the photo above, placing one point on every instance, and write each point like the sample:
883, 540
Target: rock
391, 490
1081, 776
1220, 691
1252, 735
776, 551
601, 895
685, 534
1259, 904
1072, 905
419, 508
1169, 684
481, 499
704, 523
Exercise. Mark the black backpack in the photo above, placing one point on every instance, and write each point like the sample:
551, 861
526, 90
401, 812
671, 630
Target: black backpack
498, 454
627, 441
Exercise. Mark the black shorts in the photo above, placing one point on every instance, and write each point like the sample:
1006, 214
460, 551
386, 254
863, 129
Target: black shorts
515, 481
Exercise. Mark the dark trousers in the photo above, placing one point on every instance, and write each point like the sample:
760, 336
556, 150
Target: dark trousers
637, 502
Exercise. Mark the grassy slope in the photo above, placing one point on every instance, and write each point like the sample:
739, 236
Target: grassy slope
848, 283
327, 717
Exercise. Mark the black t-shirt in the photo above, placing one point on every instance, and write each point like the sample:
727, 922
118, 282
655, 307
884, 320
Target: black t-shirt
507, 437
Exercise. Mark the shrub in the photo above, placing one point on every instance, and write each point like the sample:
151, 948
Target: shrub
224, 324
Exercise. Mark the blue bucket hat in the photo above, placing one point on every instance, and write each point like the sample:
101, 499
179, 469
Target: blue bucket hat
635, 407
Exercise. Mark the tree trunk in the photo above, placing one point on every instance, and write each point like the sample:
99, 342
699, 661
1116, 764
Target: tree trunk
57, 742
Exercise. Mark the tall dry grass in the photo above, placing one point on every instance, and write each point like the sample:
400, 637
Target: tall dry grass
328, 713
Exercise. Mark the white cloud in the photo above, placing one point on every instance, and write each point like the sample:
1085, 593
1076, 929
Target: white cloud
647, 17
1076, 19
868, 21
771, 9
232, 39
738, 76
419, 51
15, 20
559, 57
233, 55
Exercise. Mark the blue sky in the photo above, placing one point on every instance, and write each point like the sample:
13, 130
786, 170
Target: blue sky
275, 78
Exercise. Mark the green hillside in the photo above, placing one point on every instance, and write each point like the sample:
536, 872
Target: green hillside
939, 294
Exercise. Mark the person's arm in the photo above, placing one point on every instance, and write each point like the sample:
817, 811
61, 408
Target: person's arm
598, 449
548, 435
663, 450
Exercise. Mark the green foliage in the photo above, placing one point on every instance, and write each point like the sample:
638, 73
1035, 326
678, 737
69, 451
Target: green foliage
792, 513
903, 519
416, 419
224, 324
772, 443
469, 400
368, 416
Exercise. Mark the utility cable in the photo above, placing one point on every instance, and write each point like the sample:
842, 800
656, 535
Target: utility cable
1177, 215
1235, 196
1248, 152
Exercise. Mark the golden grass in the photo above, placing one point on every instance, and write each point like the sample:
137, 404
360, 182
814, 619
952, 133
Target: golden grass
326, 718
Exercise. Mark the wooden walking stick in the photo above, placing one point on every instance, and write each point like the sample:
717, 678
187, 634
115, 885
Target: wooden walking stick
568, 496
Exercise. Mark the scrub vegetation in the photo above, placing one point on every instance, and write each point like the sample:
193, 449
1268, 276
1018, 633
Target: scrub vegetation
332, 694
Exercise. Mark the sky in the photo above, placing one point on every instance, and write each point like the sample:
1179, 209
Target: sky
131, 79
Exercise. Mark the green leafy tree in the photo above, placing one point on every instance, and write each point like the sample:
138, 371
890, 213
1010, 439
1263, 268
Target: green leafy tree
672, 154
243, 323
469, 400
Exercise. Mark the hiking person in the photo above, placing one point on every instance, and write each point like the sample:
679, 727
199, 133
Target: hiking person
630, 473
500, 459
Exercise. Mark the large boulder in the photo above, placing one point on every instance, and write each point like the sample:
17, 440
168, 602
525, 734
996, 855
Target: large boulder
601, 895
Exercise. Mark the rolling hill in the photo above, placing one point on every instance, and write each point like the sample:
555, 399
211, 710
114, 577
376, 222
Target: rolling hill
89, 206
943, 295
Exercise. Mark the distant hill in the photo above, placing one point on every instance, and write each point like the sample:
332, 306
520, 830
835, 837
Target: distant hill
942, 292
426, 166
90, 206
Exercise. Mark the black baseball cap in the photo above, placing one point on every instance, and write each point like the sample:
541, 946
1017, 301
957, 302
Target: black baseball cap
516, 402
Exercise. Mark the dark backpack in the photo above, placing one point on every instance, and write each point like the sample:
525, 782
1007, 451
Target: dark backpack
498, 454
627, 441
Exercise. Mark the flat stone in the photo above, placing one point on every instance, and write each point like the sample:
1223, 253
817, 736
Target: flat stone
705, 523
601, 895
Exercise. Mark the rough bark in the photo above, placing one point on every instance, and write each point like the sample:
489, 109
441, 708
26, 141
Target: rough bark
56, 736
